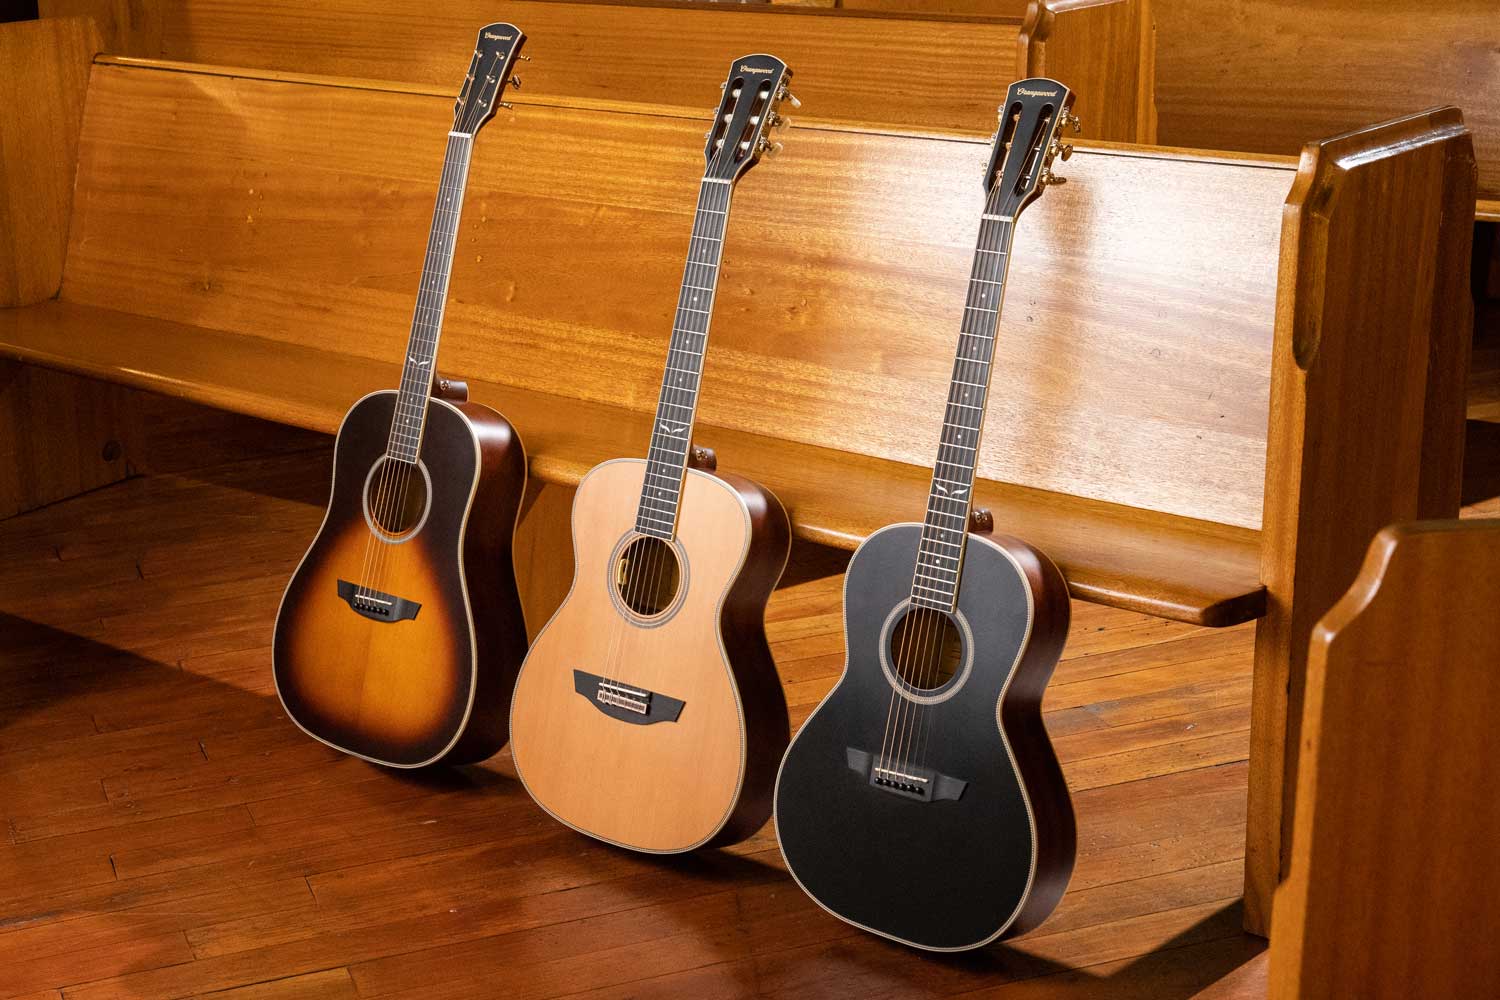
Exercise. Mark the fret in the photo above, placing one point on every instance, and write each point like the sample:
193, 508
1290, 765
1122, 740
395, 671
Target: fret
644, 517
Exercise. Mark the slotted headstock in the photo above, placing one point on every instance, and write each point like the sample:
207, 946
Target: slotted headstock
748, 111
490, 71
1029, 138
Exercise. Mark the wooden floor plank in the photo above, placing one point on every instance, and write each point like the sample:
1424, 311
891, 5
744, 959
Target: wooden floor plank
169, 834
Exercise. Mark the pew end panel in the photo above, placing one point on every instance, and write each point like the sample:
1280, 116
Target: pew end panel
1367, 404
44, 74
1400, 706
954, 66
59, 435
1087, 44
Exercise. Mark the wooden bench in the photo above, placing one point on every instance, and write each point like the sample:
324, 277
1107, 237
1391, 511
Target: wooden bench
1270, 73
1221, 374
895, 66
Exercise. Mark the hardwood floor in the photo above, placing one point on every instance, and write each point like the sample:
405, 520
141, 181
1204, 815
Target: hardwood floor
170, 834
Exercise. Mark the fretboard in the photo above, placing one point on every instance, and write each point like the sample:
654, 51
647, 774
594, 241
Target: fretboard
427, 320
672, 432
940, 554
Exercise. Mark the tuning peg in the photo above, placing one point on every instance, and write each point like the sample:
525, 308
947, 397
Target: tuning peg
1046, 177
768, 147
787, 95
515, 81
775, 120
1070, 119
524, 58
1066, 151
507, 105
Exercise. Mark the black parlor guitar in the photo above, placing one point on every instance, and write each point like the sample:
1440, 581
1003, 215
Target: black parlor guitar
922, 800
400, 633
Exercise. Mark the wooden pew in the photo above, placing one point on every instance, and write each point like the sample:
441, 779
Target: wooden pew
1221, 373
1393, 880
894, 67
1263, 75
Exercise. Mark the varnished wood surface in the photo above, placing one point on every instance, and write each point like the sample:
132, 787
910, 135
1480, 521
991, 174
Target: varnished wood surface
1270, 75
667, 787
1392, 885
1146, 561
1393, 330
171, 835
44, 72
914, 68
60, 435
1135, 347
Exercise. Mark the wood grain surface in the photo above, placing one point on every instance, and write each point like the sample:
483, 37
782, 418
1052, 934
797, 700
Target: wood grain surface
921, 67
1135, 347
1270, 75
1392, 880
44, 72
172, 835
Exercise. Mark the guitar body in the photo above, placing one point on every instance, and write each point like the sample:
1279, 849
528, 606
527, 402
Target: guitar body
421, 672
659, 732
955, 866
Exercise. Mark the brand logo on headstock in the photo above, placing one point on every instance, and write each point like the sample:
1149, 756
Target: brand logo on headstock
1035, 93
752, 69
498, 38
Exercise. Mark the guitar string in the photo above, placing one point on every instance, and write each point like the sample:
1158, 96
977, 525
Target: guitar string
918, 659
690, 344
979, 371
426, 322
974, 372
378, 507
681, 398
431, 301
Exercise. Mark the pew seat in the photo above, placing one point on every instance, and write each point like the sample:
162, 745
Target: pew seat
1170, 567
1217, 375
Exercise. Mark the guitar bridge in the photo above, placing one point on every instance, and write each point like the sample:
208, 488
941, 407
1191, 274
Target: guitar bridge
626, 702
632, 699
920, 783
377, 605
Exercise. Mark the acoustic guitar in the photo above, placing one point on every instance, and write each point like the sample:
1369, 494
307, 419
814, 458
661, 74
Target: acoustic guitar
400, 633
649, 713
922, 800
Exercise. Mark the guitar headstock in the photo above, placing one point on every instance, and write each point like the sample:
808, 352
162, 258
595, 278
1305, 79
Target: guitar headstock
749, 109
490, 71
1029, 138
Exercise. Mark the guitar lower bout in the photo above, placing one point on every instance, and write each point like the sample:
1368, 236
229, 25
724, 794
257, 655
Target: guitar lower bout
649, 713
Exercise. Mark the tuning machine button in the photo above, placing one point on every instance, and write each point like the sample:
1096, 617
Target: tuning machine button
769, 148
786, 95
515, 81
1047, 177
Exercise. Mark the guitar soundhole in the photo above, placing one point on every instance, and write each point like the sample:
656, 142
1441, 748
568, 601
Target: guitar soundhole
396, 496
647, 576
926, 649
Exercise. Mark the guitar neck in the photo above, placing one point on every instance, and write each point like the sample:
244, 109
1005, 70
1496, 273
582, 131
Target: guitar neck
950, 498
672, 432
427, 320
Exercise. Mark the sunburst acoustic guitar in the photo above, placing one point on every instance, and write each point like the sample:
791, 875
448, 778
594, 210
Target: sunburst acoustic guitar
922, 799
400, 633
648, 712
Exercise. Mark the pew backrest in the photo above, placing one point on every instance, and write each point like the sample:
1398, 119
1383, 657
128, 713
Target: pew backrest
954, 68
1135, 358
